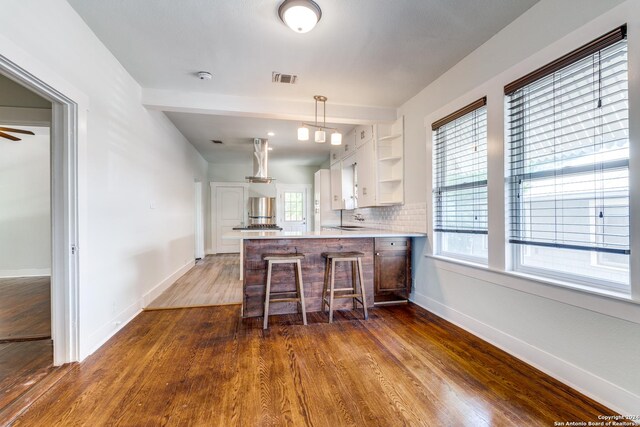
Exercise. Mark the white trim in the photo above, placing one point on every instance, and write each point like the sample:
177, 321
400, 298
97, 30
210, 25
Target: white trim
610, 304
615, 397
158, 289
65, 275
27, 272
199, 221
308, 190
110, 328
213, 205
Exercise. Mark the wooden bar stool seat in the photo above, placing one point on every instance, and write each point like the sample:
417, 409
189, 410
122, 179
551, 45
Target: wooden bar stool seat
355, 258
296, 295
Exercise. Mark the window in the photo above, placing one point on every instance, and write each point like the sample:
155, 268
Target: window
568, 156
460, 190
293, 206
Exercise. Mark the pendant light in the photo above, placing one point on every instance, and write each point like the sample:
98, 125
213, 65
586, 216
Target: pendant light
336, 138
320, 134
300, 15
303, 133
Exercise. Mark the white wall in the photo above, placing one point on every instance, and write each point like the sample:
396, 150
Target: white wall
283, 173
565, 333
136, 171
25, 218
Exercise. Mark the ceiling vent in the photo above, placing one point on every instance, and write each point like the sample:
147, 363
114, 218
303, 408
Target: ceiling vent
217, 141
283, 78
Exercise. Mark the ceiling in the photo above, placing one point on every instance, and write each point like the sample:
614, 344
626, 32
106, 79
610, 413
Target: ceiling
375, 53
237, 134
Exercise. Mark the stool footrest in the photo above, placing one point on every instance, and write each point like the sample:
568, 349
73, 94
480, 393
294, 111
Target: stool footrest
284, 300
283, 293
354, 296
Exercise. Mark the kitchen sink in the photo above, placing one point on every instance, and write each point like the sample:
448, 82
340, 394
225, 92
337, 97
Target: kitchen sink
349, 227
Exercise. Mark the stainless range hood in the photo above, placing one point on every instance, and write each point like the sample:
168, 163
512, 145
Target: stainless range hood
260, 162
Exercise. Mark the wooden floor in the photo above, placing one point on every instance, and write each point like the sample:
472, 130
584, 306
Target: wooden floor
26, 349
25, 308
213, 281
208, 367
22, 365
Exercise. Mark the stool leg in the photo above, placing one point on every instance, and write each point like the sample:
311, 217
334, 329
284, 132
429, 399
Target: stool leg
265, 323
333, 282
362, 291
353, 284
301, 290
325, 283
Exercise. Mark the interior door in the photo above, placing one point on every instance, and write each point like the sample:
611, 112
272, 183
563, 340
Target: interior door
199, 222
293, 207
230, 213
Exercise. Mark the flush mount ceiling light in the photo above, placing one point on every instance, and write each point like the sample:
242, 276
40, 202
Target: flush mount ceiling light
320, 135
300, 15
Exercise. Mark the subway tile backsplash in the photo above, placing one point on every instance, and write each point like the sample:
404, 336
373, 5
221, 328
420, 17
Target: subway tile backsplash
408, 217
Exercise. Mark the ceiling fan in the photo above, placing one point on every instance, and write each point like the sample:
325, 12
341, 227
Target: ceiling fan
5, 135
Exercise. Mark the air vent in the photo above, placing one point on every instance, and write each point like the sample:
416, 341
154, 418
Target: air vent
283, 78
217, 141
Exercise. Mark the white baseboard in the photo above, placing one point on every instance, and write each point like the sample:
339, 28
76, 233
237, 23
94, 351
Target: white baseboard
210, 252
620, 400
28, 272
155, 292
109, 329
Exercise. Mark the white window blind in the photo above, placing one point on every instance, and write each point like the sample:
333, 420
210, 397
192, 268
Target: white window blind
569, 152
460, 157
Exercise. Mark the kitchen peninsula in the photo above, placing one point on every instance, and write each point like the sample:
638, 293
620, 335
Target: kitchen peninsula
386, 265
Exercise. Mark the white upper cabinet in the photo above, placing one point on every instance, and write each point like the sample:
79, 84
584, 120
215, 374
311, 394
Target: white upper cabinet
366, 174
363, 134
368, 168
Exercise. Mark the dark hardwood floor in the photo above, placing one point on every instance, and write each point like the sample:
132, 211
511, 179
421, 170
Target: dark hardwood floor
25, 308
26, 349
208, 367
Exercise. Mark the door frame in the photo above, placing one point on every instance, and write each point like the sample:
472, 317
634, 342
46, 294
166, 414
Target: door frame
199, 221
65, 277
281, 188
214, 205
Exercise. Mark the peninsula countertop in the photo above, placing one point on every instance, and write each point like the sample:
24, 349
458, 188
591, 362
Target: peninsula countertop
326, 233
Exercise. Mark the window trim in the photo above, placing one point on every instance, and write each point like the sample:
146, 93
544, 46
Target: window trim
610, 303
467, 109
516, 246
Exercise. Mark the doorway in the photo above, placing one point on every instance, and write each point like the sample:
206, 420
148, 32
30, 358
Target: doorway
293, 206
228, 208
44, 218
199, 222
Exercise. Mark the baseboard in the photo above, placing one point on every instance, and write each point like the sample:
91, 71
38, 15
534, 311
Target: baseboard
620, 400
155, 292
210, 252
27, 272
109, 329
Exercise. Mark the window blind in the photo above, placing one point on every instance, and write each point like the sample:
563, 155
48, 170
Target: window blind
569, 153
460, 150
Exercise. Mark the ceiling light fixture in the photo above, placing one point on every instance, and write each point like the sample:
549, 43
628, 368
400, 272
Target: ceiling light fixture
300, 15
271, 134
320, 135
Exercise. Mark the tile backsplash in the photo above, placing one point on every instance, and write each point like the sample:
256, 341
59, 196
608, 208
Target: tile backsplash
408, 217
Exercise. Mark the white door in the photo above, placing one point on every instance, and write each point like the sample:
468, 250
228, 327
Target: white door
293, 207
199, 220
230, 213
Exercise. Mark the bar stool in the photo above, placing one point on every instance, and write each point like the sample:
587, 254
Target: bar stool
355, 258
299, 292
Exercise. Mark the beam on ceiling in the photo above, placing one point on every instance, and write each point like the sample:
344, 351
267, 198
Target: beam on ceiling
281, 109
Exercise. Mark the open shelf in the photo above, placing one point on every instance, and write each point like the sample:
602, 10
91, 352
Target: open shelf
390, 137
390, 159
391, 180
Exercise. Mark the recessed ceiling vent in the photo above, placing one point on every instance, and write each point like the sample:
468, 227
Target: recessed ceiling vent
217, 141
289, 79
